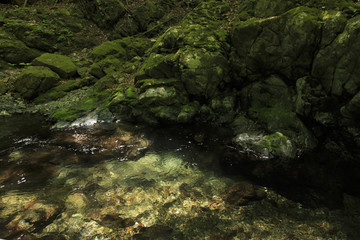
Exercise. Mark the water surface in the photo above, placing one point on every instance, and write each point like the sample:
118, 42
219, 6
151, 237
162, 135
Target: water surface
123, 181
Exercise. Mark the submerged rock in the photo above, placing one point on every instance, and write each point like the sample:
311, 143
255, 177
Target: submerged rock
243, 192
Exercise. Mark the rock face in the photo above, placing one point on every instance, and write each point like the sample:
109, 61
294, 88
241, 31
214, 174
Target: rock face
35, 80
60, 64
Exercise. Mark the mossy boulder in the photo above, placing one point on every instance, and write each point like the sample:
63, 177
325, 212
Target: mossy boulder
336, 64
35, 80
60, 64
283, 44
15, 51
270, 103
202, 71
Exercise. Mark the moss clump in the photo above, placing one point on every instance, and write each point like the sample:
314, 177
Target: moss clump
274, 141
60, 64
66, 114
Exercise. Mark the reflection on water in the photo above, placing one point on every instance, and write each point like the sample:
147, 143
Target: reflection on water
117, 181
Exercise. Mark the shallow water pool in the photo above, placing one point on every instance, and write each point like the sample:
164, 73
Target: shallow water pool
122, 181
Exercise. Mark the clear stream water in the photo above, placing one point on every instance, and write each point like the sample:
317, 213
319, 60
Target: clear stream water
122, 181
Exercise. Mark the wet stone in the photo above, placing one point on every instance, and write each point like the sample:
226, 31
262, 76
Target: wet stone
243, 192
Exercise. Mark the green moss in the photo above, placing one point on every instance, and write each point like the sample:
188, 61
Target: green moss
274, 141
130, 93
67, 114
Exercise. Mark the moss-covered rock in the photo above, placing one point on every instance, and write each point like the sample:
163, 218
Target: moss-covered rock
35, 80
188, 112
158, 96
336, 64
159, 66
270, 104
106, 82
60, 64
274, 145
283, 44
15, 51
90, 102
153, 83
96, 71
202, 71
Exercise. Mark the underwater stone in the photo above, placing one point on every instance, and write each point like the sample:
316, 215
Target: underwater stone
76, 201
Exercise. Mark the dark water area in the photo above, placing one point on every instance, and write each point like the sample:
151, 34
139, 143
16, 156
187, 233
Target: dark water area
125, 181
